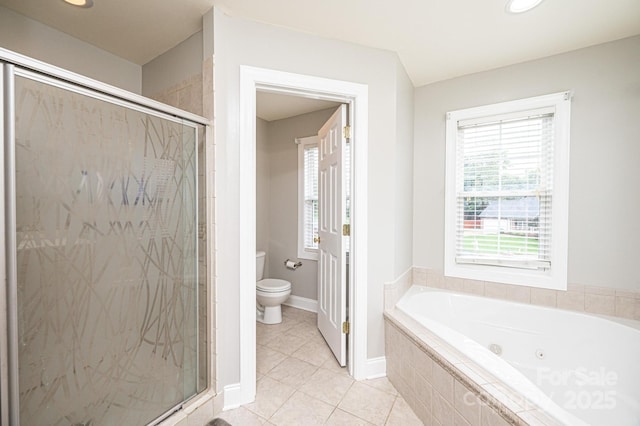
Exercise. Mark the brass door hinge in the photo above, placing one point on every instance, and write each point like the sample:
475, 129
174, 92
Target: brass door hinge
346, 230
346, 132
345, 327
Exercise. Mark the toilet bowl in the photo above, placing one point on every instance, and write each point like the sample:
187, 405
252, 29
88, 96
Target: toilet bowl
270, 294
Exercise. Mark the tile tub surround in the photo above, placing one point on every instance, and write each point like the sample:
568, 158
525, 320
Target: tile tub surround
394, 290
443, 387
580, 298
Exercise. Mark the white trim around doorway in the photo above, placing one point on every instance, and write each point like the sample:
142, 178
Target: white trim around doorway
253, 79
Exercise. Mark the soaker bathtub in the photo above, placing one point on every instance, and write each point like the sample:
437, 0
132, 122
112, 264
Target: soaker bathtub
580, 369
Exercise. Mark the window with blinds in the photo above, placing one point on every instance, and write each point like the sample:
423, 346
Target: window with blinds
308, 197
502, 185
504, 190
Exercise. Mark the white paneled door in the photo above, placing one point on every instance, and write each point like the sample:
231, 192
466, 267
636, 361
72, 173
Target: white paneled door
332, 287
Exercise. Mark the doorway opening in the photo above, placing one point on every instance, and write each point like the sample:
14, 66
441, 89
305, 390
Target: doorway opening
302, 185
355, 95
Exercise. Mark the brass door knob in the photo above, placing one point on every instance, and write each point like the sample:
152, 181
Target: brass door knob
316, 240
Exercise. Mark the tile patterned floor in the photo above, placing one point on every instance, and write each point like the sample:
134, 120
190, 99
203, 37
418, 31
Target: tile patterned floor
300, 383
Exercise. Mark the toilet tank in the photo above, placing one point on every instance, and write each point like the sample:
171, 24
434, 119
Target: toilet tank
260, 259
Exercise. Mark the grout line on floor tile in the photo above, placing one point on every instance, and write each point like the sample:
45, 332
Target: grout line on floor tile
386, 420
297, 319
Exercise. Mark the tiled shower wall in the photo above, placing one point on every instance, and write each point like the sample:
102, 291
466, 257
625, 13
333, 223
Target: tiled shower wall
186, 95
195, 94
87, 267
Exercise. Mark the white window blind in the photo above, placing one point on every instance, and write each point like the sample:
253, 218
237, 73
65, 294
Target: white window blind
308, 220
507, 192
310, 214
504, 190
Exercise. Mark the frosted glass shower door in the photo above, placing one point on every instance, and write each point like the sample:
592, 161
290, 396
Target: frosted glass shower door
107, 258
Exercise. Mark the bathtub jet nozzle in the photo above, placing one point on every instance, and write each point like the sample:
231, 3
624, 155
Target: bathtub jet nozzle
496, 349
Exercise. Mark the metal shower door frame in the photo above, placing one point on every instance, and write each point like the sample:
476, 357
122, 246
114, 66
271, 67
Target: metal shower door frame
11, 65
9, 407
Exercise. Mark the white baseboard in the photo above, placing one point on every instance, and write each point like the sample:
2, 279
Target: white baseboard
232, 396
376, 367
302, 303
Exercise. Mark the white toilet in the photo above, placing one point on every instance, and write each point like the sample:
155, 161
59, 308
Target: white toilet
270, 293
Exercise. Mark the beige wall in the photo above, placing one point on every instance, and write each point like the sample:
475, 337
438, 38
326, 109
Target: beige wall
604, 200
31, 38
181, 63
282, 200
263, 168
403, 192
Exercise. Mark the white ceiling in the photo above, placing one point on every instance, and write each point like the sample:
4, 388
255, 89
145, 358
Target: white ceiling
136, 30
272, 106
435, 39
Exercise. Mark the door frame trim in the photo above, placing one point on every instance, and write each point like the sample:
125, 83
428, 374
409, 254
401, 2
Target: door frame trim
356, 95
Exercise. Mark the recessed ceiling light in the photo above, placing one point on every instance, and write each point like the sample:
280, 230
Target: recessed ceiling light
80, 3
520, 6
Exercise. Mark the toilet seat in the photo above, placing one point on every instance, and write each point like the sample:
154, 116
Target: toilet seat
273, 285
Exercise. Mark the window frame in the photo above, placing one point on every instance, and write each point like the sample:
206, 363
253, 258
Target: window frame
556, 276
304, 252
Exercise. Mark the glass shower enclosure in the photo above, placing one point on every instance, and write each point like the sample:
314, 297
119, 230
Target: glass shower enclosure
105, 296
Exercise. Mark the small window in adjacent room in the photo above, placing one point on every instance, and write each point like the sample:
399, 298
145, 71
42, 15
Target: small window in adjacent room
308, 197
507, 192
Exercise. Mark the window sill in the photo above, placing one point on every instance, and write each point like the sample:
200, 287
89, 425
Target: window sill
306, 255
548, 279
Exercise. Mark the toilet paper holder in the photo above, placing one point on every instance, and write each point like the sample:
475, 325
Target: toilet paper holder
290, 264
